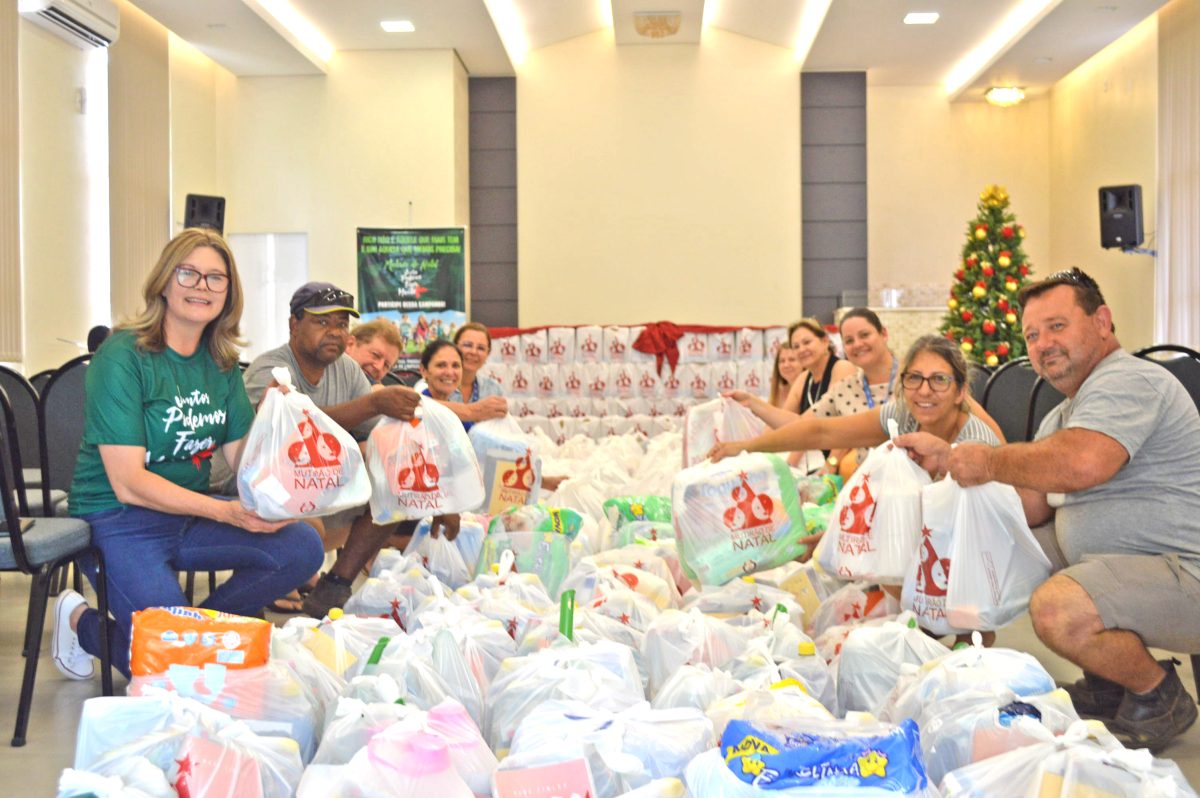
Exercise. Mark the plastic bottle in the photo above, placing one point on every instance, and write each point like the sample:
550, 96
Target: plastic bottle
416, 765
469, 753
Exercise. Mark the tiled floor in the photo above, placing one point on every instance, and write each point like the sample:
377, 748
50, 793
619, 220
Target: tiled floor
33, 770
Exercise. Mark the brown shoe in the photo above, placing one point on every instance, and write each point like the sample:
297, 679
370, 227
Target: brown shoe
1154, 719
324, 597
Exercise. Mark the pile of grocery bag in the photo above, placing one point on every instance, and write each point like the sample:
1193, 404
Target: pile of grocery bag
645, 630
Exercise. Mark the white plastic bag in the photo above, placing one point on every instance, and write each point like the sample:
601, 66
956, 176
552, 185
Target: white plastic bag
422, 467
297, 462
996, 563
876, 521
511, 464
736, 517
869, 665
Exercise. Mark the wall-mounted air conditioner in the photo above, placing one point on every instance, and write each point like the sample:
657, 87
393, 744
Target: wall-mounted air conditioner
84, 23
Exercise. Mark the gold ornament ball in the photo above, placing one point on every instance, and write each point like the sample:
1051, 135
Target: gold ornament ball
993, 360
1011, 318
952, 304
1010, 286
1004, 261
966, 347
978, 292
980, 233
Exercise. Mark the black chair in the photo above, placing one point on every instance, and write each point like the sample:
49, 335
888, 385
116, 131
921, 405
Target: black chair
1184, 363
60, 426
1006, 397
39, 547
977, 377
39, 380
1181, 361
406, 377
24, 401
1043, 398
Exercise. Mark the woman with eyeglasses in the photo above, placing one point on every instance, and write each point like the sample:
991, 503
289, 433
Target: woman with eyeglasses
932, 399
163, 394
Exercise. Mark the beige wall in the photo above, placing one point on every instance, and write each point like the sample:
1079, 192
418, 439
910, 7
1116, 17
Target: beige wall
54, 199
1103, 133
355, 148
927, 161
193, 86
659, 182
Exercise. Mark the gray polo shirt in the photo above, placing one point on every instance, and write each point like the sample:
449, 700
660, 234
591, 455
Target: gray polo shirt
1152, 504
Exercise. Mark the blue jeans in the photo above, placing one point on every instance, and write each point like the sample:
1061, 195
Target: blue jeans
145, 549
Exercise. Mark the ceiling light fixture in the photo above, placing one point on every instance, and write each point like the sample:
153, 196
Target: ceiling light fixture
1004, 96
1019, 21
811, 20
397, 26
921, 17
305, 34
508, 25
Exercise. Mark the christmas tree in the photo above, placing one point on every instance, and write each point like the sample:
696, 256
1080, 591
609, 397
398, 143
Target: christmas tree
984, 318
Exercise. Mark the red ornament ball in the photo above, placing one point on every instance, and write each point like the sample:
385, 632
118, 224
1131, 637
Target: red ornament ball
1002, 349
980, 284
989, 327
967, 315
960, 274
1024, 270
1007, 232
988, 271
968, 339
1002, 303
972, 260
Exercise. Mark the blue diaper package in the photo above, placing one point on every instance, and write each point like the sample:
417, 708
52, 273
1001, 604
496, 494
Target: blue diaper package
826, 754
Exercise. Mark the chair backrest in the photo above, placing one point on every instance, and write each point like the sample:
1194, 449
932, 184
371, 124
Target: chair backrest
60, 413
1006, 397
1181, 361
23, 400
977, 377
406, 378
11, 484
39, 380
1043, 398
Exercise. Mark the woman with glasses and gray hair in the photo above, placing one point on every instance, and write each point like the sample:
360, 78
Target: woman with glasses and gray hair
163, 394
932, 399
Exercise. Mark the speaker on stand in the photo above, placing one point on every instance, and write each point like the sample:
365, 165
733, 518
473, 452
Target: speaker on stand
202, 211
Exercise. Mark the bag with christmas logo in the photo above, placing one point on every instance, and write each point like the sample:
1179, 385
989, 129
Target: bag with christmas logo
735, 517
512, 467
422, 467
714, 421
978, 561
876, 523
297, 461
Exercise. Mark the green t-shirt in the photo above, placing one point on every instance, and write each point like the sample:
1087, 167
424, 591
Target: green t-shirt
179, 409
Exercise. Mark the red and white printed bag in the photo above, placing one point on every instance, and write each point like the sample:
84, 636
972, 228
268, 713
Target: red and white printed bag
425, 466
297, 462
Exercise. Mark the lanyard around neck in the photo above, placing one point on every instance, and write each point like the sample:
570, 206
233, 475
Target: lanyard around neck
867, 388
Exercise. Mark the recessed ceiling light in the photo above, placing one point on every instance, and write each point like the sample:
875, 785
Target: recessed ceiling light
1043, 59
397, 26
1004, 96
921, 18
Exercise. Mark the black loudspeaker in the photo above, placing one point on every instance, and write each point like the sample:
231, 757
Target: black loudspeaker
202, 211
1120, 217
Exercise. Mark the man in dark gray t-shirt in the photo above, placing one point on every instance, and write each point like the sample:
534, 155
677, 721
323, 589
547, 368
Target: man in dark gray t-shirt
1116, 469
315, 354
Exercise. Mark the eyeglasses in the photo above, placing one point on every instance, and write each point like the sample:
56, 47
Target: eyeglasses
939, 383
216, 282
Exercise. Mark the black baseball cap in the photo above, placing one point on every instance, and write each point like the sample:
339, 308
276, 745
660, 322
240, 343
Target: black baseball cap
318, 298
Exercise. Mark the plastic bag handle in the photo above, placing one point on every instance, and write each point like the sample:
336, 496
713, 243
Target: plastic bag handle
282, 375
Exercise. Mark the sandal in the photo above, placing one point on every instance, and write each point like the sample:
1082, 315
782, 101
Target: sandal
309, 586
287, 605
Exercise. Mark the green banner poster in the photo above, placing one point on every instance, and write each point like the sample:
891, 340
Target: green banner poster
417, 279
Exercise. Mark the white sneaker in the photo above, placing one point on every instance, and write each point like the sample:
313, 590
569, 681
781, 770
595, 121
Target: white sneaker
69, 656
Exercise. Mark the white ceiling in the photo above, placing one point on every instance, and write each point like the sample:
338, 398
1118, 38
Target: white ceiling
856, 35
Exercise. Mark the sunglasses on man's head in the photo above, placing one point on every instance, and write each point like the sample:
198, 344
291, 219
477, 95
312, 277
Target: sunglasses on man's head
330, 296
1076, 276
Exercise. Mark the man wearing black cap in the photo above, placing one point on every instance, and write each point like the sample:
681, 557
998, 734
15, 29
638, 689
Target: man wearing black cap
315, 354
